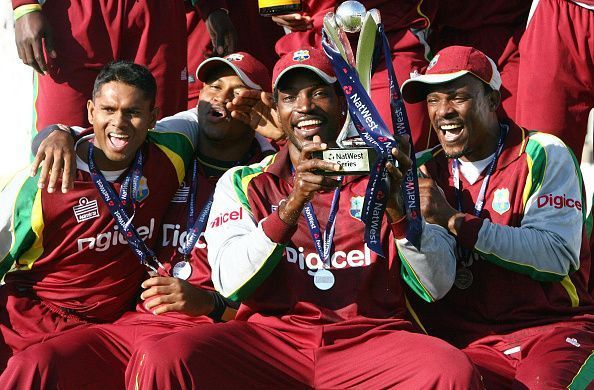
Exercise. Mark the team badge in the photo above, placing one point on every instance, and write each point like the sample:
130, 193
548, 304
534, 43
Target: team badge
433, 62
143, 191
234, 57
501, 200
356, 206
301, 55
182, 270
85, 210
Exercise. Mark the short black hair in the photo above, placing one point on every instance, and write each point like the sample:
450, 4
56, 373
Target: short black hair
130, 74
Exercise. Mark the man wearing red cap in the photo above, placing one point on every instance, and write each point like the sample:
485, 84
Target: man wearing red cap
187, 298
513, 204
334, 318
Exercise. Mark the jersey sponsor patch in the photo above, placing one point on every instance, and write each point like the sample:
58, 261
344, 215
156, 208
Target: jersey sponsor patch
500, 202
225, 217
338, 260
86, 209
103, 241
356, 206
558, 202
172, 235
143, 190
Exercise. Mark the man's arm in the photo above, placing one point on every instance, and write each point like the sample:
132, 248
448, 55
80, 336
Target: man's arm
32, 33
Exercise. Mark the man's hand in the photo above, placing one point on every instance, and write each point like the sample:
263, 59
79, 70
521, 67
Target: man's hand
222, 32
169, 294
255, 109
294, 22
31, 32
435, 208
58, 157
307, 183
394, 207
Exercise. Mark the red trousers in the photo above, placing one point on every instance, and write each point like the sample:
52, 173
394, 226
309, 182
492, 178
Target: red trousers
556, 83
244, 355
89, 34
551, 357
91, 358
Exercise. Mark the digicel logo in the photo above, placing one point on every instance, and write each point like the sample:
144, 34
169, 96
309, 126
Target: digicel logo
558, 202
223, 218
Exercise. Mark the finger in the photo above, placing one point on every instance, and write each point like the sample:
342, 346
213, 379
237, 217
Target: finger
266, 98
49, 43
317, 164
424, 171
55, 172
35, 164
45, 171
394, 172
156, 281
229, 42
220, 44
68, 174
30, 57
38, 55
245, 118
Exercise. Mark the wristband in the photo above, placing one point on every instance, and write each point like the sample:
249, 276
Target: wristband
23, 10
219, 307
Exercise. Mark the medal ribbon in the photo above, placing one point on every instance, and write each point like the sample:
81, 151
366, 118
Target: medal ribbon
195, 224
323, 242
117, 207
374, 133
480, 201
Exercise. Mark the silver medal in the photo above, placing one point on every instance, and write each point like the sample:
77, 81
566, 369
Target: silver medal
182, 270
323, 279
464, 278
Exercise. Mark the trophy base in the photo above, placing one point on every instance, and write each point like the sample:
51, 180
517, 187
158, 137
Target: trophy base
353, 161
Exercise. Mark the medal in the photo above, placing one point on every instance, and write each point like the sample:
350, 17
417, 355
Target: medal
323, 279
182, 270
464, 278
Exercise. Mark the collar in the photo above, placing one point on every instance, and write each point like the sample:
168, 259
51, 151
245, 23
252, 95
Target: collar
514, 145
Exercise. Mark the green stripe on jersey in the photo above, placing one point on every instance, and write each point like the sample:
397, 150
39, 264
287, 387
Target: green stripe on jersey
536, 274
244, 175
176, 146
537, 166
411, 278
585, 375
24, 235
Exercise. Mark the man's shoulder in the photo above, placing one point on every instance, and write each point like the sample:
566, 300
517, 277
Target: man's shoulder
544, 148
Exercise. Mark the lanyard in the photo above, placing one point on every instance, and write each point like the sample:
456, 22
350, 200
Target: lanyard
464, 253
323, 242
374, 133
117, 205
196, 223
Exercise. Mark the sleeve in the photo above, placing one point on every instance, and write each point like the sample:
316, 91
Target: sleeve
18, 3
21, 221
430, 272
184, 122
546, 246
240, 253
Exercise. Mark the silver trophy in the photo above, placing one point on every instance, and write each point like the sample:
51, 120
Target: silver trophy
352, 154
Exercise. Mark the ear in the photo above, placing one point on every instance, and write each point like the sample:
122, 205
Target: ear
154, 116
494, 100
90, 111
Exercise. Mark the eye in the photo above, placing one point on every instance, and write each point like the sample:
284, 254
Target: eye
215, 87
320, 93
288, 98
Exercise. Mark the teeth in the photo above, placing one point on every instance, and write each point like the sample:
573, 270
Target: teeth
309, 122
449, 127
120, 136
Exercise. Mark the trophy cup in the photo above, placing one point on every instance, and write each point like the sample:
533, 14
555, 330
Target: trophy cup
352, 154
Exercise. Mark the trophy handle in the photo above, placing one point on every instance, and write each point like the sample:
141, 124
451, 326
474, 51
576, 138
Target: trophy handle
365, 48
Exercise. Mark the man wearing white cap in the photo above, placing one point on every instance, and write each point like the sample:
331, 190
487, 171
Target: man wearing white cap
513, 205
309, 319
97, 357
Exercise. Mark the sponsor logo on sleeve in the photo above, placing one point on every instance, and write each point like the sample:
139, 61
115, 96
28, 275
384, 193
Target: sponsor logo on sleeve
500, 202
558, 202
225, 217
86, 209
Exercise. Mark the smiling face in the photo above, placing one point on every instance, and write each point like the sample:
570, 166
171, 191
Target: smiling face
216, 124
121, 116
464, 117
307, 106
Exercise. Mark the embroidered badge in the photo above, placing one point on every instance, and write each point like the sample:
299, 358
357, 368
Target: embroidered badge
501, 200
143, 191
234, 57
356, 206
301, 55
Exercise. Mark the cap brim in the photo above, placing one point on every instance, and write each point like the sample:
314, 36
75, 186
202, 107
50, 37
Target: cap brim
323, 75
415, 90
211, 63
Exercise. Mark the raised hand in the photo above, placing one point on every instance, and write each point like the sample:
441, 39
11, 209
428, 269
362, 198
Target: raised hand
294, 22
255, 109
222, 32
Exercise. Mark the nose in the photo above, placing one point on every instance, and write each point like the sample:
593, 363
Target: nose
119, 118
224, 95
444, 108
304, 103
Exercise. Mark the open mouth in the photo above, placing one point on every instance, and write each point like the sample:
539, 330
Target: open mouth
218, 114
451, 131
118, 141
307, 128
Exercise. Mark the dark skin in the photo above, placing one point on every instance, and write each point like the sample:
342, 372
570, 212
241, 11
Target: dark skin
32, 32
310, 113
463, 114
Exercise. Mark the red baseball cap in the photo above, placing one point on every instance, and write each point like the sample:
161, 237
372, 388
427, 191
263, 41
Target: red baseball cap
309, 58
449, 64
251, 71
